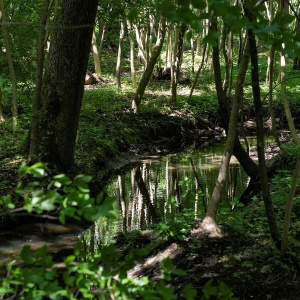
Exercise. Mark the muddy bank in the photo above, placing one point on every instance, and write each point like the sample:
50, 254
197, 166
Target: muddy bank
107, 143
127, 137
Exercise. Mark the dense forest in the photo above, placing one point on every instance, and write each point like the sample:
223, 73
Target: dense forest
88, 88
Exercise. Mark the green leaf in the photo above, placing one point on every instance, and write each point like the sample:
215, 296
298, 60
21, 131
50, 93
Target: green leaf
37, 170
179, 272
26, 255
61, 180
22, 169
189, 292
69, 259
81, 182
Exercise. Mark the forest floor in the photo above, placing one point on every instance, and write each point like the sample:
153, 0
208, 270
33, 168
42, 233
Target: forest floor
248, 265
244, 258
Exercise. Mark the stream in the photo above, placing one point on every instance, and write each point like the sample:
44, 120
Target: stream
152, 190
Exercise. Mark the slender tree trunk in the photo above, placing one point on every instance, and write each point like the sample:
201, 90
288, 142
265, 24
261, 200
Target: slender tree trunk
192, 51
10, 66
120, 54
198, 73
96, 55
149, 70
198, 48
260, 133
270, 78
173, 67
63, 81
2, 118
177, 61
169, 51
132, 54
141, 52
209, 222
102, 31
37, 101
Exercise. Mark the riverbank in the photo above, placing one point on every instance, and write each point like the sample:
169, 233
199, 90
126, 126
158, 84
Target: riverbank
107, 141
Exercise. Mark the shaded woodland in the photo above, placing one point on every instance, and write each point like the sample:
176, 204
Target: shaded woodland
86, 87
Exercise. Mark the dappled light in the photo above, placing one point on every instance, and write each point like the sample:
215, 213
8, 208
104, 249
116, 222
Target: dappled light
149, 150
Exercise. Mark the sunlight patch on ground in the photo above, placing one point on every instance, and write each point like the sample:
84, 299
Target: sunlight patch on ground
155, 261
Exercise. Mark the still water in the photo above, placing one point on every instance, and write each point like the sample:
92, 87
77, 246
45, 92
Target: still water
158, 187
151, 190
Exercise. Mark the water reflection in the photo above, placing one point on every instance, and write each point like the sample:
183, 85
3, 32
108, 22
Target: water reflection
157, 188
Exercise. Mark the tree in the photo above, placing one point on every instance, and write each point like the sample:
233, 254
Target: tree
120, 53
150, 66
11, 66
36, 107
64, 79
209, 222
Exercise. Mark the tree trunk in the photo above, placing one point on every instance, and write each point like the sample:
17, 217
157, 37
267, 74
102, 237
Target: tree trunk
132, 54
10, 66
149, 70
198, 73
37, 101
209, 222
192, 50
177, 61
96, 55
120, 54
141, 52
2, 118
263, 172
102, 31
64, 79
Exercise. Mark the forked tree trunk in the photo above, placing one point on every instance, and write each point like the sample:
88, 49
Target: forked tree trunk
10, 66
149, 70
141, 52
63, 82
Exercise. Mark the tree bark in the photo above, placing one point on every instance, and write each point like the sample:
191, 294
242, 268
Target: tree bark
120, 54
209, 222
132, 54
149, 70
263, 172
96, 55
177, 61
64, 79
37, 101
11, 67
